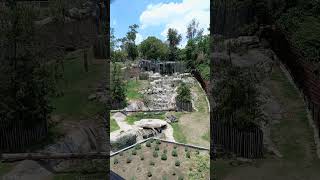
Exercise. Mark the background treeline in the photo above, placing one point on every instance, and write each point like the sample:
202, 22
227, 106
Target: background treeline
195, 53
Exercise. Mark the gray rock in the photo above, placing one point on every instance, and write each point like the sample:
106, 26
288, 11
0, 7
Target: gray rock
28, 170
151, 123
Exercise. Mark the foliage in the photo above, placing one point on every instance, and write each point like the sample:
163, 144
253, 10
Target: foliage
138, 146
158, 141
153, 48
174, 153
184, 93
148, 144
142, 157
152, 163
25, 80
118, 90
180, 178
155, 154
177, 163
149, 174
201, 166
174, 39
157, 147
134, 152
238, 102
164, 157
115, 161
113, 125
131, 47
192, 29
165, 151
188, 154
129, 159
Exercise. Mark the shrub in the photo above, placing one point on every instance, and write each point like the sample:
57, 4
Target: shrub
173, 173
197, 152
148, 144
180, 178
165, 151
115, 161
121, 153
164, 157
155, 154
151, 163
177, 163
138, 146
175, 146
186, 149
141, 157
149, 174
158, 141
174, 153
157, 147
129, 159
188, 154
164, 178
134, 152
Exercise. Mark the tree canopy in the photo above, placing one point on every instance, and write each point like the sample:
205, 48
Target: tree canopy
153, 48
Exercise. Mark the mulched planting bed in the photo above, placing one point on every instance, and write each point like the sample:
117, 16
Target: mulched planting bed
154, 167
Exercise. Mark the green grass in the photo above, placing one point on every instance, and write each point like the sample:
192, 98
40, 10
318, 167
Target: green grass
133, 88
206, 136
138, 116
178, 134
5, 168
113, 125
76, 86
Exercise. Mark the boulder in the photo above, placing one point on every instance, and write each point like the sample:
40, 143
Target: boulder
124, 139
151, 123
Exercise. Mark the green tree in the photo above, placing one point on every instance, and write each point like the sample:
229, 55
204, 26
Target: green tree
184, 93
153, 48
25, 84
118, 87
131, 47
193, 30
174, 39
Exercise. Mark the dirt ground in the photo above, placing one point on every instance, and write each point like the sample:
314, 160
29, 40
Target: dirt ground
138, 168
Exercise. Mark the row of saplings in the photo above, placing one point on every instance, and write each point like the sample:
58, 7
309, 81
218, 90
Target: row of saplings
174, 153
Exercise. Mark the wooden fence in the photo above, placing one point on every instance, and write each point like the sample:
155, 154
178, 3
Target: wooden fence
18, 138
184, 106
244, 143
305, 75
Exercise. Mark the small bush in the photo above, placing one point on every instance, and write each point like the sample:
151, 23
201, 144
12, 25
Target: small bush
164, 178
138, 146
141, 157
152, 163
177, 163
174, 153
148, 144
157, 147
175, 146
165, 151
155, 154
173, 173
115, 161
188, 154
134, 152
158, 141
129, 159
164, 157
197, 152
149, 174
186, 149
121, 153
180, 178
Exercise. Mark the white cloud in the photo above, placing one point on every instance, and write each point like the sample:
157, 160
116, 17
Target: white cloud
177, 15
139, 38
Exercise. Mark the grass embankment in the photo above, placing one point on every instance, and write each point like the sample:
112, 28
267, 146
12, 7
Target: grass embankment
77, 85
193, 128
140, 115
133, 88
292, 136
113, 125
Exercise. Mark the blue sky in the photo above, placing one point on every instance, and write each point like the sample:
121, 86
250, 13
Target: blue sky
155, 16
